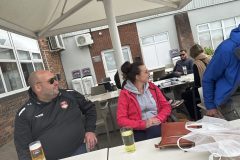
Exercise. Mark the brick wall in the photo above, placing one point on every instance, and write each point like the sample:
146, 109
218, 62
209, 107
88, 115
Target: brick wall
8, 108
128, 36
9, 105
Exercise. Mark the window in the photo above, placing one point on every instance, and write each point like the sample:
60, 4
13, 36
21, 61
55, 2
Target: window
38, 66
156, 54
2, 89
24, 55
4, 38
27, 68
6, 53
109, 61
36, 55
19, 56
213, 33
11, 76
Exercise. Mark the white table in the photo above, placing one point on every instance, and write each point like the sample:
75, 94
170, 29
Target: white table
104, 96
171, 82
95, 155
145, 150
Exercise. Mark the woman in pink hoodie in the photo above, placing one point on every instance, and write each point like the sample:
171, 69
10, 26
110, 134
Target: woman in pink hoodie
141, 104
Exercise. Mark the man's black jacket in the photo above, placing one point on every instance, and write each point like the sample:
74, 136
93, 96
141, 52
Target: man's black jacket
59, 124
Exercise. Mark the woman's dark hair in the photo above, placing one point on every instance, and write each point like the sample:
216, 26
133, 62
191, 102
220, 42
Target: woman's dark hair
131, 70
195, 50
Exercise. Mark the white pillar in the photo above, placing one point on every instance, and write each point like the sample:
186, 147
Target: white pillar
118, 55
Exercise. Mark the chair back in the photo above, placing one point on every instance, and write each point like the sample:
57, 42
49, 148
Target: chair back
200, 91
98, 90
102, 110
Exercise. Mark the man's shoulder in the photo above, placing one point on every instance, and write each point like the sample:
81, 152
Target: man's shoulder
67, 91
27, 109
71, 94
189, 59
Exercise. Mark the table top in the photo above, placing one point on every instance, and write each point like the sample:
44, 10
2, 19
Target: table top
171, 82
146, 150
104, 96
94, 155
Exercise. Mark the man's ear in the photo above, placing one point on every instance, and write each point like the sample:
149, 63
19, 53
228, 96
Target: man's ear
237, 52
37, 88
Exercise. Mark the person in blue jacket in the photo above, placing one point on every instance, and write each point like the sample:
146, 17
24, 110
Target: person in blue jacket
221, 80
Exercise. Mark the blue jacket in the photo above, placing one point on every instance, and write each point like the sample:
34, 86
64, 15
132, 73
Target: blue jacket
222, 76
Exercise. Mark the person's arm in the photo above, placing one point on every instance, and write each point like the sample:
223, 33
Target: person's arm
197, 81
22, 135
123, 114
212, 74
164, 107
177, 70
88, 109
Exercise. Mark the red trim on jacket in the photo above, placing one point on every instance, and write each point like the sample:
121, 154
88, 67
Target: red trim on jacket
129, 111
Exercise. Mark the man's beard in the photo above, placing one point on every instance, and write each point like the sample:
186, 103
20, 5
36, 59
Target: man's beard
55, 92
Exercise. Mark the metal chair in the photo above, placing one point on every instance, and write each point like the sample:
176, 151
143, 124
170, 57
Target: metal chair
102, 112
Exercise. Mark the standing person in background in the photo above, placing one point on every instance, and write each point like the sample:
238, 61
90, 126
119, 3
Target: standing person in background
141, 104
54, 117
221, 80
201, 61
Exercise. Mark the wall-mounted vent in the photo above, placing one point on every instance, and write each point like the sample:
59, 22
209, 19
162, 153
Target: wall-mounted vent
83, 40
56, 43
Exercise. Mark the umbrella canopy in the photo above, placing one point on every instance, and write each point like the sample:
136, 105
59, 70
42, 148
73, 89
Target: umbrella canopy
35, 18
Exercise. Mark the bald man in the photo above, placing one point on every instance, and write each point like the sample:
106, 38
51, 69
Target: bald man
54, 117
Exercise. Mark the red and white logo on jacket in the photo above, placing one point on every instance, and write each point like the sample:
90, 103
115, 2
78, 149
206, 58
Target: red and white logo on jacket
64, 105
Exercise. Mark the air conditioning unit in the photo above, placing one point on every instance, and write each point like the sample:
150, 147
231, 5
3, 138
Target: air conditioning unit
56, 43
83, 39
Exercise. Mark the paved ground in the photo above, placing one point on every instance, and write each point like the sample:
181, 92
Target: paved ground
8, 152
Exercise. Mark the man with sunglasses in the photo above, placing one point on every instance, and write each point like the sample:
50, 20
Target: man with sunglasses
184, 61
55, 118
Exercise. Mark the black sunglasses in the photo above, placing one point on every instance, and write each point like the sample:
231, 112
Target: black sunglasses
182, 55
51, 80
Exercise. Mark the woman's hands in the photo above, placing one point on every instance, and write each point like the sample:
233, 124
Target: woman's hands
152, 122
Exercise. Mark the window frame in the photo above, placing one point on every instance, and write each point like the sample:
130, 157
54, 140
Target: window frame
106, 71
18, 63
210, 30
